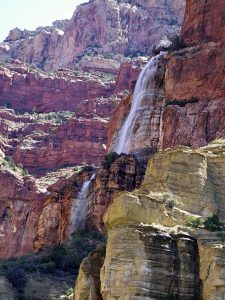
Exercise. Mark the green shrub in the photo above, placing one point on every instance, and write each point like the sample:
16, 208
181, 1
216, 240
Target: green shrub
66, 258
48, 267
57, 253
212, 223
169, 200
194, 222
17, 277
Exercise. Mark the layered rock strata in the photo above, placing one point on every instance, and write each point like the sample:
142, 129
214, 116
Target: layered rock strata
148, 234
36, 212
29, 89
126, 28
55, 222
124, 174
192, 108
195, 77
88, 281
54, 139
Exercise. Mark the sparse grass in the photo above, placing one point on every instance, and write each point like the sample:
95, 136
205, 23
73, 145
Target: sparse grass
194, 222
9, 163
169, 200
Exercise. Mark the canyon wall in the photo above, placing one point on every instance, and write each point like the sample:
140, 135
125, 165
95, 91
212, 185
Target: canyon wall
148, 230
192, 110
124, 29
51, 120
159, 243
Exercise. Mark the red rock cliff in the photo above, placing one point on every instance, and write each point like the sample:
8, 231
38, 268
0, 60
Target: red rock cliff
107, 28
195, 77
194, 109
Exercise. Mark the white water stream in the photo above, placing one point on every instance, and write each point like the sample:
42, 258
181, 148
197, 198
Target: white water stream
80, 206
145, 86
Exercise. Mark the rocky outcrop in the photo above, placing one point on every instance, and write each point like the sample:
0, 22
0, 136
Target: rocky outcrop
125, 173
201, 19
136, 257
212, 259
44, 142
6, 290
27, 89
194, 79
126, 28
21, 201
88, 281
37, 287
41, 287
55, 223
69, 145
147, 230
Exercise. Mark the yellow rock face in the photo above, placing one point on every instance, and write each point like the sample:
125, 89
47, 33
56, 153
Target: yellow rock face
88, 283
212, 266
178, 182
148, 253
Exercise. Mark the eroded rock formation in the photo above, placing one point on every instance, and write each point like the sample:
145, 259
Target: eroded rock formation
68, 114
147, 230
125, 28
192, 112
124, 174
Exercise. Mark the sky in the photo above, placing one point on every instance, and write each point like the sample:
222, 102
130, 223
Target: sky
29, 14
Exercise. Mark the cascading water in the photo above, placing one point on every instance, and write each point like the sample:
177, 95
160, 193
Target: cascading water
79, 207
145, 88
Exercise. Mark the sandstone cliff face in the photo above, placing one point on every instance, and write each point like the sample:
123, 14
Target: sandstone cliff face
147, 230
88, 281
106, 28
55, 222
21, 201
201, 19
136, 260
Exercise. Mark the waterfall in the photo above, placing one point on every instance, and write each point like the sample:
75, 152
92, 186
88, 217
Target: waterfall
145, 87
79, 207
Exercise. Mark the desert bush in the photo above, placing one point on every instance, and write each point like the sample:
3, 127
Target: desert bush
194, 222
17, 277
169, 200
66, 258
212, 223
48, 267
